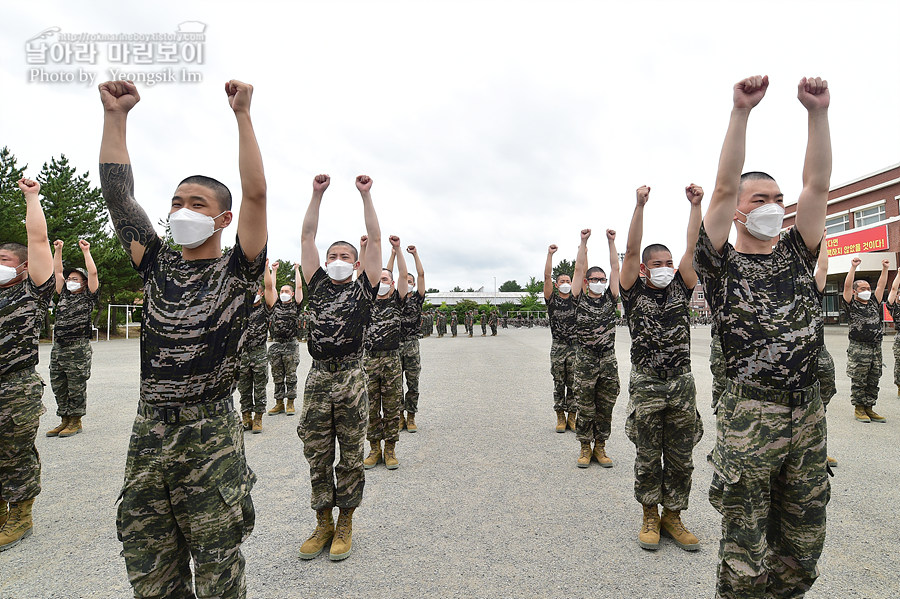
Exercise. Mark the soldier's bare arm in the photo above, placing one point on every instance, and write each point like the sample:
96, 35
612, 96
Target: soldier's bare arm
269, 281
848, 280
373, 230
882, 280
548, 272
717, 221
402, 283
58, 265
309, 254
822, 267
40, 258
420, 270
613, 263
892, 296
694, 195
252, 229
811, 205
93, 281
631, 263
361, 258
580, 263
298, 285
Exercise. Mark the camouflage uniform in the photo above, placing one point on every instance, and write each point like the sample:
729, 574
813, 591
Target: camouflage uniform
441, 323
304, 325
410, 360
596, 369
335, 404
769, 478
22, 309
284, 353
483, 324
716, 366
470, 323
253, 374
454, 322
384, 374
70, 357
895, 314
662, 422
561, 312
186, 493
864, 352
493, 321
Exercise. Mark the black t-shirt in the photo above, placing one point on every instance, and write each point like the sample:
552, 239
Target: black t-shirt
659, 322
73, 314
411, 316
383, 333
22, 310
285, 320
339, 315
864, 319
561, 311
595, 321
258, 324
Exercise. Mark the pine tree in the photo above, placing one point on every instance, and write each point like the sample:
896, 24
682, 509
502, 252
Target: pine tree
12, 202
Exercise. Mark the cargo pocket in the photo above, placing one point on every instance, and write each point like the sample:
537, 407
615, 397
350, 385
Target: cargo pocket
723, 493
239, 508
630, 428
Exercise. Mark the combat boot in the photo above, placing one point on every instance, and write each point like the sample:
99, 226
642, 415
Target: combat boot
289, 409
600, 454
323, 533
342, 543
672, 526
257, 423
247, 420
18, 524
859, 412
831, 462
584, 459
73, 428
648, 538
560, 422
402, 421
4, 513
278, 409
873, 415
411, 422
59, 427
390, 457
570, 421
374, 455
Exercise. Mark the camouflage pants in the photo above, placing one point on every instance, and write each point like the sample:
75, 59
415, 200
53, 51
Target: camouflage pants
186, 495
771, 488
453, 326
493, 330
384, 386
284, 357
70, 369
864, 369
596, 390
717, 368
897, 361
562, 368
20, 412
483, 328
825, 374
411, 363
253, 376
664, 425
335, 408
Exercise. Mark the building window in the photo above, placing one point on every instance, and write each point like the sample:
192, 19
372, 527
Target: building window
837, 224
699, 295
868, 216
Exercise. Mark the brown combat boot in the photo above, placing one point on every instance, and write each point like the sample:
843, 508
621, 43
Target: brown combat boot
73, 428
600, 454
873, 415
4, 513
18, 524
342, 543
672, 526
648, 538
247, 420
570, 421
831, 461
278, 409
402, 421
411, 422
59, 427
374, 455
560, 422
316, 542
257, 423
289, 409
390, 457
584, 458
859, 412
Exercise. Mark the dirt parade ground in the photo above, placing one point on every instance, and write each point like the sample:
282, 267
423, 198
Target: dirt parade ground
487, 502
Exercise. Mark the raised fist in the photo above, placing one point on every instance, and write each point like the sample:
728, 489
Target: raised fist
58, 244
552, 249
275, 266
239, 94
856, 262
84, 245
611, 234
585, 234
363, 241
643, 194
119, 96
29, 186
885, 264
748, 92
395, 242
411, 249
363, 183
813, 93
321, 182
694, 194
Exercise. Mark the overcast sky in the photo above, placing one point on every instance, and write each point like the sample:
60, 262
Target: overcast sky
491, 129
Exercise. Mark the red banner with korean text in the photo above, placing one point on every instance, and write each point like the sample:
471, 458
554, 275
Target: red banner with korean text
858, 242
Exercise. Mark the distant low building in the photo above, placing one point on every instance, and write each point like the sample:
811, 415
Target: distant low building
452, 298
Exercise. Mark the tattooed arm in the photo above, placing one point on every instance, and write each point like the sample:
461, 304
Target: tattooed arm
132, 225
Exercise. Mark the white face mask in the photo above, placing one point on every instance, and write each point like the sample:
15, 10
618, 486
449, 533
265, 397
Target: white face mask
7, 274
597, 288
339, 270
864, 295
285, 297
565, 288
765, 222
73, 286
661, 277
190, 229
383, 288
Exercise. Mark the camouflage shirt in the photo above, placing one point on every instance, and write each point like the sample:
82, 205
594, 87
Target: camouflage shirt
895, 312
659, 322
22, 310
195, 315
411, 316
258, 324
73, 314
595, 321
561, 311
766, 310
383, 333
285, 320
864, 319
339, 315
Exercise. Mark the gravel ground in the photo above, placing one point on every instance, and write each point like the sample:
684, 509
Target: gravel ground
487, 501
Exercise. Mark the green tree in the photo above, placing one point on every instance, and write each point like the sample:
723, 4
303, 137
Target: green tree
432, 290
12, 202
457, 289
564, 268
534, 285
510, 286
463, 306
